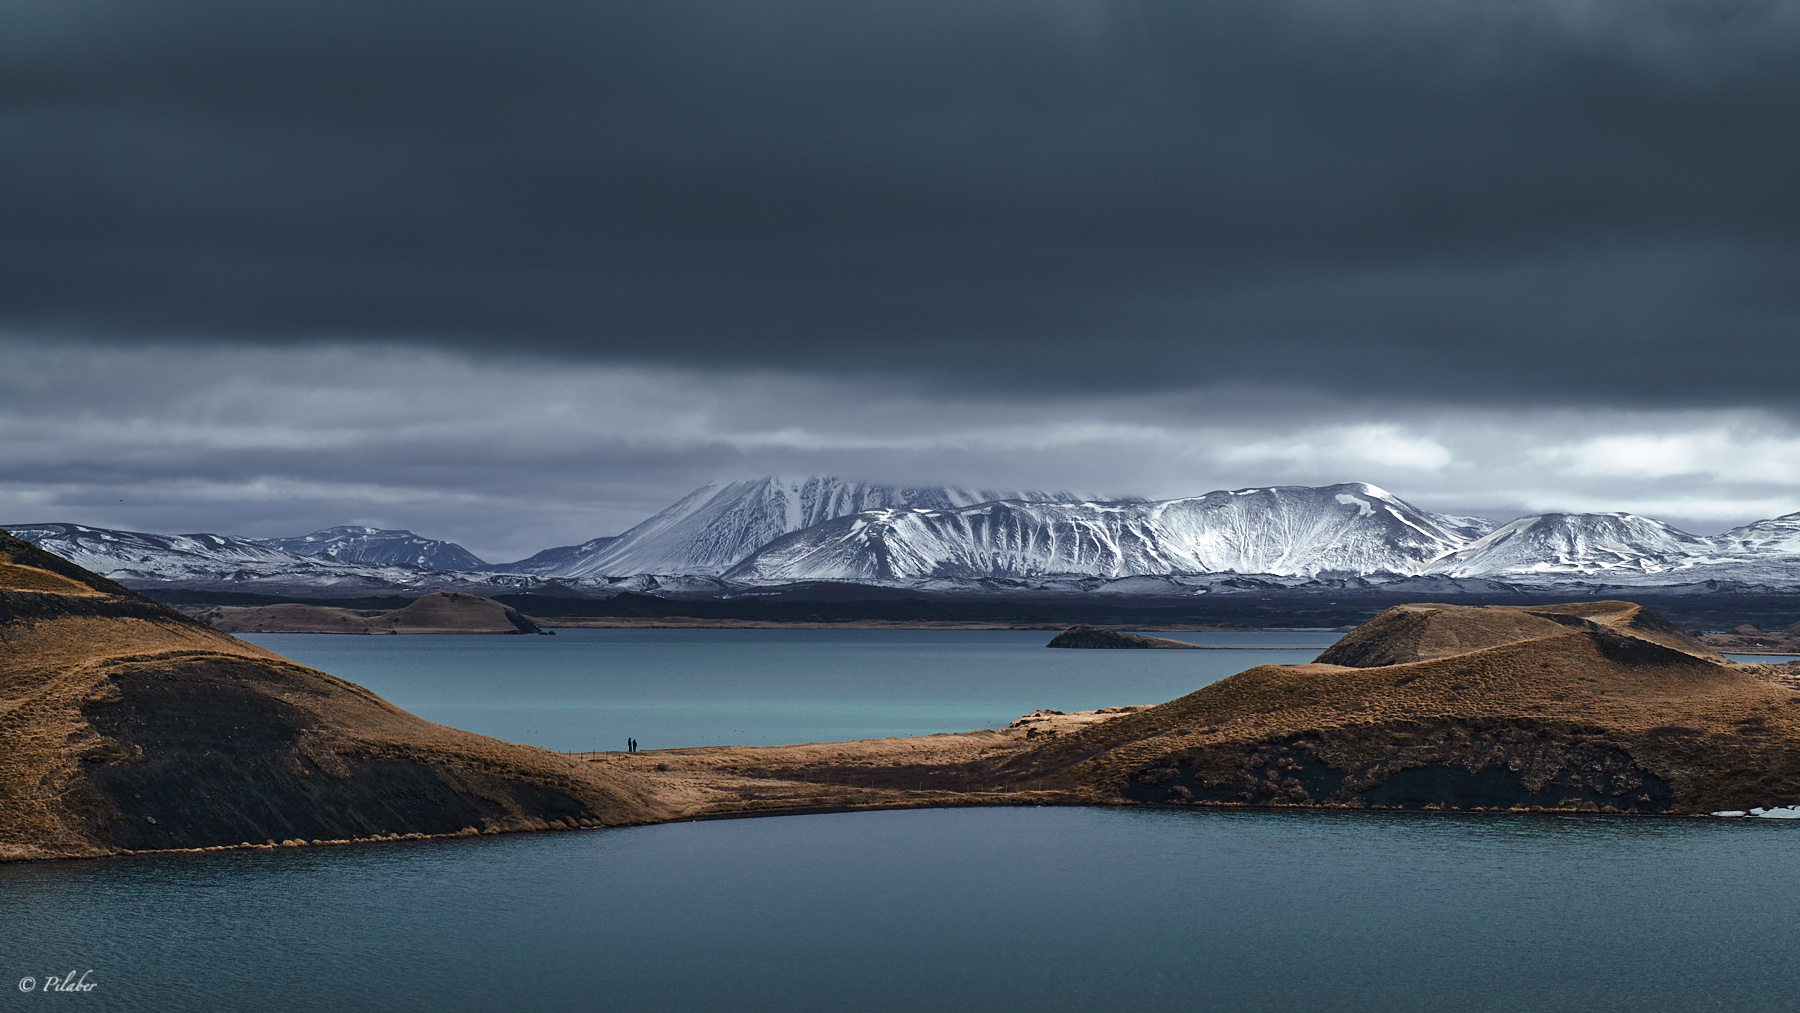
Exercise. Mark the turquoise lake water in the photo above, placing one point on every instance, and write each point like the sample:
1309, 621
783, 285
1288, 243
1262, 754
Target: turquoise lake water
977, 909
591, 689
956, 909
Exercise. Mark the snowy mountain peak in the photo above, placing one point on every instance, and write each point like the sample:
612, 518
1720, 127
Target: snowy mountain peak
718, 524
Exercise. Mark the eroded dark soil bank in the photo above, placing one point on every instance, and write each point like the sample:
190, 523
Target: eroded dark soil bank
202, 759
1495, 769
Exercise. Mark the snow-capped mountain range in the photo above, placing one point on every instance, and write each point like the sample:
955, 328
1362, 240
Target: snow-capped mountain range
1345, 530
825, 529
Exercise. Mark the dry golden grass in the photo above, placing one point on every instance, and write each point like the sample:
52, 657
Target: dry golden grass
925, 770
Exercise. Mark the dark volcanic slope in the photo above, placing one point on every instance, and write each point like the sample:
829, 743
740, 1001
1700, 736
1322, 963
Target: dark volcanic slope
1595, 706
126, 726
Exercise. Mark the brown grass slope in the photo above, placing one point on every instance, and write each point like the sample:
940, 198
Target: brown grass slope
1599, 706
127, 726
441, 612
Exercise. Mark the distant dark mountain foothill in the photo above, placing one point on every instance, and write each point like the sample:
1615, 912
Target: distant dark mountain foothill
443, 612
378, 547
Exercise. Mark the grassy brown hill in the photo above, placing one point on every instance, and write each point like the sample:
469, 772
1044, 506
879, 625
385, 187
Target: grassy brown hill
1599, 706
125, 725
1409, 633
442, 612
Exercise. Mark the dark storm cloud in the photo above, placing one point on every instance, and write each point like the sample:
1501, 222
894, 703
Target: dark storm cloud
1511, 201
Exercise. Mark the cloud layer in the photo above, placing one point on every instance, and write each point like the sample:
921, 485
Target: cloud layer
1498, 201
521, 274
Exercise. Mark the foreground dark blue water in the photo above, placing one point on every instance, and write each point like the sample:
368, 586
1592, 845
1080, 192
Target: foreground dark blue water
999, 909
590, 689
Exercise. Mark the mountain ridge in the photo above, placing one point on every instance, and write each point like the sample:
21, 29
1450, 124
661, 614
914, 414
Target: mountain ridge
787, 530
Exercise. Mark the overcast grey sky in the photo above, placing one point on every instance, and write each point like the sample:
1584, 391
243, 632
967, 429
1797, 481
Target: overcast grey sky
520, 274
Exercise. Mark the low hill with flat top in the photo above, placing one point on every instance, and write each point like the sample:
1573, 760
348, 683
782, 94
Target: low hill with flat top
1598, 706
125, 725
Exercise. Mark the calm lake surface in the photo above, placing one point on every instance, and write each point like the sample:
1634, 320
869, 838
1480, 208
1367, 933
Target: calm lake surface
975, 909
952, 909
591, 689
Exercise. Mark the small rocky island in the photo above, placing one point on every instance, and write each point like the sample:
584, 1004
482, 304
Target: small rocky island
1089, 637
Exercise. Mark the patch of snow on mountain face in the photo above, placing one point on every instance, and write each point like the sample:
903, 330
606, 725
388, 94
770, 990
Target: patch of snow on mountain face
1346, 499
1469, 527
715, 526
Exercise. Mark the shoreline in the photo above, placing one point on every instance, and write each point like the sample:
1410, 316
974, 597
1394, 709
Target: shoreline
685, 622
981, 800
